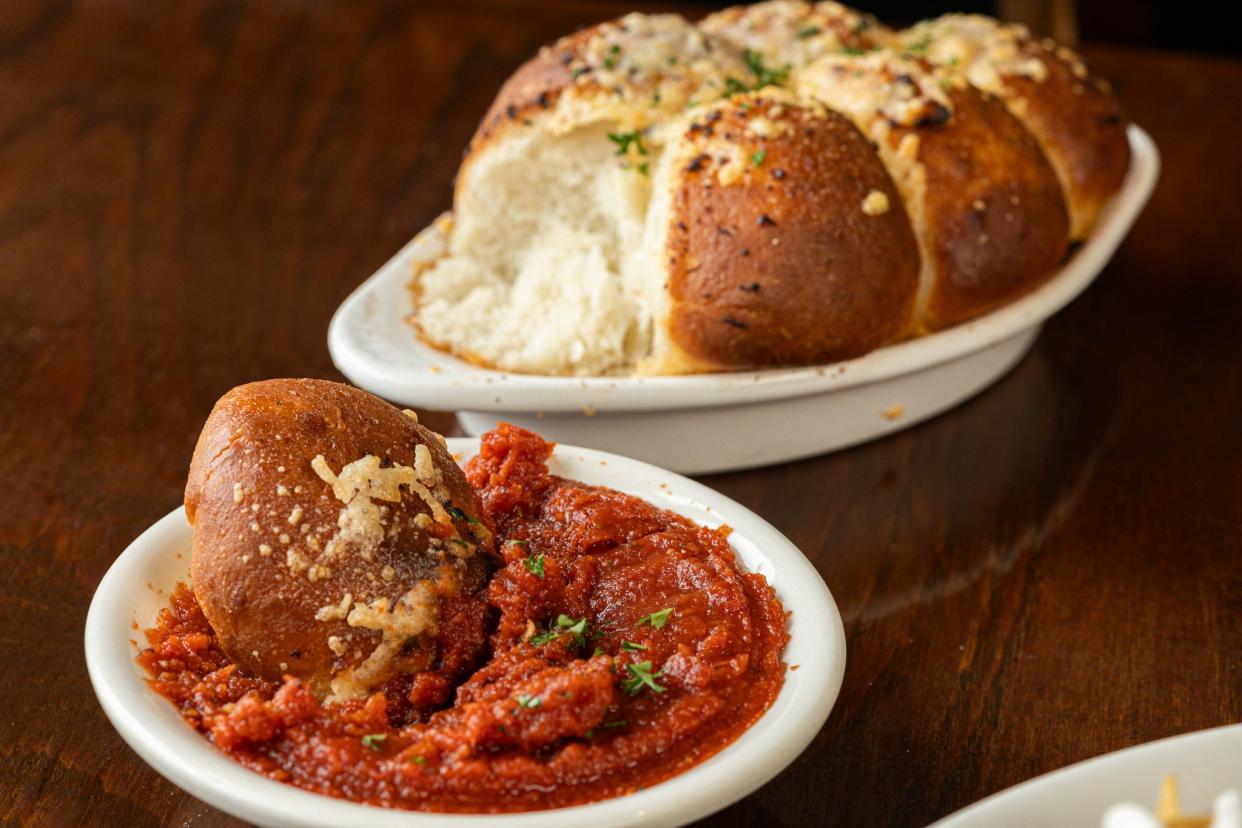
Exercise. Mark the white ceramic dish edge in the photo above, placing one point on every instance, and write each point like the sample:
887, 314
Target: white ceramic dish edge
373, 345
1206, 763
136, 587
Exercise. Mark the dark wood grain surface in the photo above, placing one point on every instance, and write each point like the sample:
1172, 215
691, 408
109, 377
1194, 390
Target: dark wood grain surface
188, 190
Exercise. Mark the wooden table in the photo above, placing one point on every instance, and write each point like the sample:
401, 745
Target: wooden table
188, 190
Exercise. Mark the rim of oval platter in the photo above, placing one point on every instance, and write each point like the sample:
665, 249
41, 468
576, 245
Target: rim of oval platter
140, 580
373, 344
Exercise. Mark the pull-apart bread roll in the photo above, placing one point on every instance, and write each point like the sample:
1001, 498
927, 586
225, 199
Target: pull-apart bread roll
1072, 115
649, 196
985, 204
551, 199
785, 240
336, 540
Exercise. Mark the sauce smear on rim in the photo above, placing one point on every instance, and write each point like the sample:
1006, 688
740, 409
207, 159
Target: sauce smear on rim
628, 646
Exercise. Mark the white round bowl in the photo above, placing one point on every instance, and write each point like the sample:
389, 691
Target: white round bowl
715, 422
137, 587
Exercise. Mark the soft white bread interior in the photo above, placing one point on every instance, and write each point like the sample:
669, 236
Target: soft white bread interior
610, 209
544, 282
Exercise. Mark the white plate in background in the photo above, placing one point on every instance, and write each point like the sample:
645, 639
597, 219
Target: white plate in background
1205, 763
714, 422
139, 583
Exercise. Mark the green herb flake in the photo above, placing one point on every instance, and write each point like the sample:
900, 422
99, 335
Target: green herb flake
919, 47
578, 71
528, 701
454, 512
809, 31
640, 677
516, 542
655, 100
632, 647
541, 638
852, 51
617, 723
765, 75
563, 625
625, 140
644, 168
756, 158
656, 619
419, 760
614, 52
733, 86
534, 565
374, 740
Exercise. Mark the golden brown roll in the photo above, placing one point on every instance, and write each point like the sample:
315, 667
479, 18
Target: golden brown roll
335, 540
983, 200
785, 242
1073, 115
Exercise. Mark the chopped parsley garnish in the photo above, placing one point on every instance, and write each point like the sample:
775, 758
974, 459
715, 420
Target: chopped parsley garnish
517, 542
809, 31
614, 52
598, 652
534, 565
644, 168
374, 740
655, 100
672, 60
640, 677
454, 512
764, 75
656, 619
852, 51
528, 701
578, 71
632, 647
919, 47
617, 723
419, 760
625, 140
758, 156
733, 86
564, 624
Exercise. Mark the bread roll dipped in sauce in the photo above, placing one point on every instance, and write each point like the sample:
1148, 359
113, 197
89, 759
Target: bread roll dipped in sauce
337, 541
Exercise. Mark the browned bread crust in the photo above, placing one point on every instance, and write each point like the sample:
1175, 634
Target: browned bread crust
1073, 115
280, 563
995, 217
795, 250
1082, 129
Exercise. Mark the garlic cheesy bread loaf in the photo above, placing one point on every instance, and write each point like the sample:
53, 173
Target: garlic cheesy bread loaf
785, 183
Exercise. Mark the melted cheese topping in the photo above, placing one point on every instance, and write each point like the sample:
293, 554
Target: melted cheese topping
361, 524
875, 204
884, 85
415, 613
640, 69
794, 32
985, 51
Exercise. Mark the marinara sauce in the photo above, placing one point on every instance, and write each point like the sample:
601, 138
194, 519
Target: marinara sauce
628, 646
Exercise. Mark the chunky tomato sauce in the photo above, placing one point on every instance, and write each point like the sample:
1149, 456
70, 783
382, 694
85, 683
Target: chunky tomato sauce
628, 646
